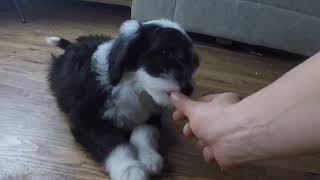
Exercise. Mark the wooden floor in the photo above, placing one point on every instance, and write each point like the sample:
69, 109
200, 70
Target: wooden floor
35, 142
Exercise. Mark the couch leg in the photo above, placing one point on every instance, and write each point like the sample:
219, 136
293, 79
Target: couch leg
17, 5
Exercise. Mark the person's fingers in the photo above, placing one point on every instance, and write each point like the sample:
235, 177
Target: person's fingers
187, 131
178, 115
202, 144
207, 98
208, 154
182, 103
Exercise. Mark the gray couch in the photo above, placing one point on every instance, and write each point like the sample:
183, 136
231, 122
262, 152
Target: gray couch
290, 25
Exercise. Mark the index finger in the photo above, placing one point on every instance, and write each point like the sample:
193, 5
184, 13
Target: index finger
207, 98
183, 103
178, 115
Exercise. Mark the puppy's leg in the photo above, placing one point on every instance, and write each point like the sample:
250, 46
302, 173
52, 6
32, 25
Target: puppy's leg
123, 165
146, 139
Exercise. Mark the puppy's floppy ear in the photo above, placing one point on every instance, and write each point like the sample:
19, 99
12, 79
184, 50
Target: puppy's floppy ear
125, 51
195, 59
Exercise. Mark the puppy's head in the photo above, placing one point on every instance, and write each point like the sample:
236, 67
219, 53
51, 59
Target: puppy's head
160, 53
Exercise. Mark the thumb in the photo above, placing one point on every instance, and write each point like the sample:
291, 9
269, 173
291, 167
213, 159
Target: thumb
182, 103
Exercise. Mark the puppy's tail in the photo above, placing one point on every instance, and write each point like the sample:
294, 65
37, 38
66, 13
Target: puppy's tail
58, 41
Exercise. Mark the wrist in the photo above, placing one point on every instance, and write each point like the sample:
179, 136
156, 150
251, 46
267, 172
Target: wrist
248, 140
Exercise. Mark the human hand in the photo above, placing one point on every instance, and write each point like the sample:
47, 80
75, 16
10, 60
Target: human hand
211, 121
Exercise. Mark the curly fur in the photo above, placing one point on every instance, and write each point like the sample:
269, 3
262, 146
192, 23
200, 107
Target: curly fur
113, 89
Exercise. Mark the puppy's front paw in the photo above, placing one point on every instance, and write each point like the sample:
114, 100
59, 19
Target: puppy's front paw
134, 172
152, 161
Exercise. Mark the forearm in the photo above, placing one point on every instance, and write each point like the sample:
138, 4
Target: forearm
285, 116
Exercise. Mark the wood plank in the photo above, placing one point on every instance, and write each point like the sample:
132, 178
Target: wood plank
35, 142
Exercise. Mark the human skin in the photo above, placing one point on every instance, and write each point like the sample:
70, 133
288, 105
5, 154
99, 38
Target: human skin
280, 120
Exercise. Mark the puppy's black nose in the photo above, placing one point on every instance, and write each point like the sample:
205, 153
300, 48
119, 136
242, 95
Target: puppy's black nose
187, 89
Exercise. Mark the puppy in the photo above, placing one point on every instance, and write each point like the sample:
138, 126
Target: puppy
113, 90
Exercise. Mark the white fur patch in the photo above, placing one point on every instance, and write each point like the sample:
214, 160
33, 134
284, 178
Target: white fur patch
53, 40
100, 63
167, 24
131, 106
137, 96
129, 27
158, 87
123, 165
146, 140
127, 99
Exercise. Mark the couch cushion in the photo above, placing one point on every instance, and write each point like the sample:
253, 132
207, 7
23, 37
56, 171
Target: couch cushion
291, 25
252, 22
212, 14
309, 7
145, 10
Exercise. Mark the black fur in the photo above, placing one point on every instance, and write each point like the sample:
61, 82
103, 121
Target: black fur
80, 95
77, 92
63, 43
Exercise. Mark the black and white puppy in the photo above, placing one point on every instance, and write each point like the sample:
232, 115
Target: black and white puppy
113, 89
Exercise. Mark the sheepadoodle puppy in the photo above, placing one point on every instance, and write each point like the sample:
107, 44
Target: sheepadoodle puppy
114, 90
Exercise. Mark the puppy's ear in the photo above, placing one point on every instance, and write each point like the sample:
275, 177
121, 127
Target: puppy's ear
195, 59
125, 51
